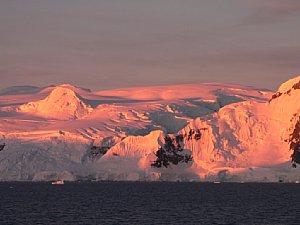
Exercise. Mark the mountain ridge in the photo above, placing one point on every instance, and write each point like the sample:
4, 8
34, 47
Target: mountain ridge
233, 133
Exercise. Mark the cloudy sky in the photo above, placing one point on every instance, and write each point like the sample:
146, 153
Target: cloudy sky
103, 44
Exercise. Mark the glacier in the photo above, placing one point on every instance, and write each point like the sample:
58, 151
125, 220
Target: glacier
234, 133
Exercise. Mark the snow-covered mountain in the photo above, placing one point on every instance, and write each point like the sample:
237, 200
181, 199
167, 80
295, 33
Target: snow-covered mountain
249, 134
62, 103
183, 132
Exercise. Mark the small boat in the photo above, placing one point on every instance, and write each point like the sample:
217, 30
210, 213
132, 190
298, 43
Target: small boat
58, 182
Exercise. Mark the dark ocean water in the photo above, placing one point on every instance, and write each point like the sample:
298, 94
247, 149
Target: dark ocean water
149, 203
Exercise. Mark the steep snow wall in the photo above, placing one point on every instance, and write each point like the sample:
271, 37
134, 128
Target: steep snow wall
247, 134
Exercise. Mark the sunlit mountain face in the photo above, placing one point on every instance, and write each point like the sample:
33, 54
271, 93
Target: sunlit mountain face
208, 131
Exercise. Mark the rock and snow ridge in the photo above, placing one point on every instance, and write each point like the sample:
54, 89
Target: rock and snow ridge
234, 133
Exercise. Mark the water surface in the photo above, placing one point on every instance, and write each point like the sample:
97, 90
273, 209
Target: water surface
149, 203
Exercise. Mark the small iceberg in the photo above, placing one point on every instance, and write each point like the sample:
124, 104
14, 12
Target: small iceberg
58, 182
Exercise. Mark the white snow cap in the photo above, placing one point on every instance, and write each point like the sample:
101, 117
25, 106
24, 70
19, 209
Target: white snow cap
289, 84
62, 103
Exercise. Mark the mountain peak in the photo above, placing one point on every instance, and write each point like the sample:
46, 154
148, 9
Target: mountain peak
286, 88
74, 88
62, 103
288, 85
61, 92
78, 90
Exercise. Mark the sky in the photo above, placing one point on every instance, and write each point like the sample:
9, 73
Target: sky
105, 44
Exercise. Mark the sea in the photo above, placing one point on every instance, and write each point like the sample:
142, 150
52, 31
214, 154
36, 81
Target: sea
149, 203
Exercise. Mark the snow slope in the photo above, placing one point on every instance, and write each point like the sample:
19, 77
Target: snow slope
62, 103
248, 135
66, 132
